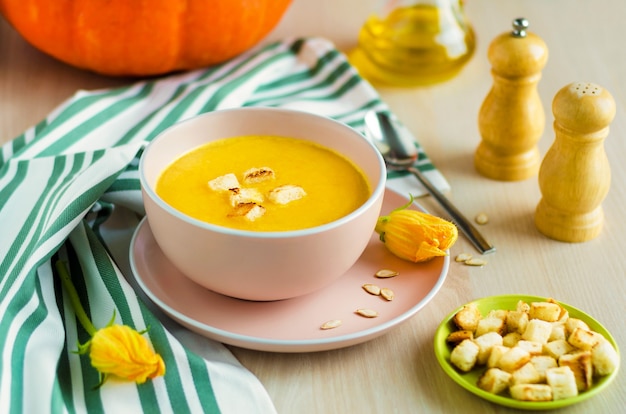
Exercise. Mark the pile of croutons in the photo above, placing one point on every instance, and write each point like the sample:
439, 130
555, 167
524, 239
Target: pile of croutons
537, 352
246, 202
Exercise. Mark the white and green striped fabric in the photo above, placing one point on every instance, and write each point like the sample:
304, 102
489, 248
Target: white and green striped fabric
61, 181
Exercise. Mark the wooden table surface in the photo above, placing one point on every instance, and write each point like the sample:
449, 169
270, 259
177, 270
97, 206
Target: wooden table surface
398, 371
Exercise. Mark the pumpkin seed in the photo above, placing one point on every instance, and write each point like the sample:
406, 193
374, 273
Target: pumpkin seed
481, 218
368, 313
386, 273
463, 257
475, 262
387, 294
371, 289
334, 323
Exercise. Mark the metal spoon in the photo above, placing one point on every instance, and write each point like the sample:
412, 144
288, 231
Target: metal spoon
400, 154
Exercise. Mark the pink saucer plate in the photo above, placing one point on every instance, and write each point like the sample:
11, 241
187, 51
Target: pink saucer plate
292, 325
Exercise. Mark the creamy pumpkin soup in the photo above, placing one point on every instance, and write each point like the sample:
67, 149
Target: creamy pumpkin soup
264, 183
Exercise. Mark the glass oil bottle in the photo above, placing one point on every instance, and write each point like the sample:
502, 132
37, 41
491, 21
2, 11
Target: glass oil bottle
414, 43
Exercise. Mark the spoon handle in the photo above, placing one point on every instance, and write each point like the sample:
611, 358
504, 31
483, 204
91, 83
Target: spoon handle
461, 221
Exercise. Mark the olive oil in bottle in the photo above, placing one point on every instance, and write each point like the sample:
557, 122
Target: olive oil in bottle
416, 43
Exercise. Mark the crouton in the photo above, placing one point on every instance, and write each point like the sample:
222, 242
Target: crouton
537, 330
224, 182
558, 331
513, 359
456, 337
533, 348
522, 306
604, 358
572, 323
531, 392
564, 312
557, 348
285, 194
546, 311
498, 313
562, 382
249, 211
599, 337
257, 175
542, 363
582, 367
490, 324
582, 339
526, 374
496, 353
485, 343
494, 380
245, 195
464, 355
517, 321
511, 339
467, 318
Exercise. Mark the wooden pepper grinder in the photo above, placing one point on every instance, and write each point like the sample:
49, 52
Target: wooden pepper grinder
575, 175
511, 119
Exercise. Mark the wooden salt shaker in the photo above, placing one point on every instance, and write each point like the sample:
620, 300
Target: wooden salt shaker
575, 175
511, 119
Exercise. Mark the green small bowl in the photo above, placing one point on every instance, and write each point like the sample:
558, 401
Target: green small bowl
468, 380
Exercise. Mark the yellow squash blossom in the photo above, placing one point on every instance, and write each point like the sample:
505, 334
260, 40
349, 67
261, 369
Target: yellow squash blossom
414, 235
122, 351
115, 349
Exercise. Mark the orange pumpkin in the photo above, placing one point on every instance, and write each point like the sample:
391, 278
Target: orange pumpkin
143, 37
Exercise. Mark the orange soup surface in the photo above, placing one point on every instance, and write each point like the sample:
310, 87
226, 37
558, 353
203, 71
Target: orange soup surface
320, 184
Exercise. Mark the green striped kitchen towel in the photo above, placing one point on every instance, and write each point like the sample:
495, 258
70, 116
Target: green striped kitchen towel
61, 181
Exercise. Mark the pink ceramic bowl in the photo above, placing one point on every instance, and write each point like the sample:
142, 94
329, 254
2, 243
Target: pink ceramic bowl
261, 265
